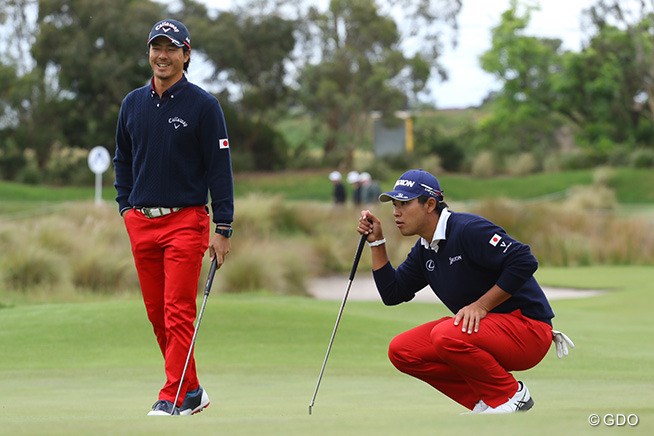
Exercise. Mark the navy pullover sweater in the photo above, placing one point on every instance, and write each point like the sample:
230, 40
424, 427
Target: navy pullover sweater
475, 255
172, 151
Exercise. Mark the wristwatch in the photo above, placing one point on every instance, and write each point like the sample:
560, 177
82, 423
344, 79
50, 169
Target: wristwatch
225, 232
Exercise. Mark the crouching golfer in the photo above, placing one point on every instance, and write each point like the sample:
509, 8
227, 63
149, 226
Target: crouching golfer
171, 150
502, 319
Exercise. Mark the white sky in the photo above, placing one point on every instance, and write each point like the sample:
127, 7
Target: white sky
468, 84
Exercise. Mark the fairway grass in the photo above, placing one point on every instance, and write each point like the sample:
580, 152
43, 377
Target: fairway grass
94, 368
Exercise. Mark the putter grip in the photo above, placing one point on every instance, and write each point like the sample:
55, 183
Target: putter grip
357, 256
212, 273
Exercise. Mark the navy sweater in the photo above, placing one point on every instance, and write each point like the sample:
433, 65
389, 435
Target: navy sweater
173, 151
475, 255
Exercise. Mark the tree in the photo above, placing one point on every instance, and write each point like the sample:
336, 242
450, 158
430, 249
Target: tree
356, 65
89, 54
523, 117
599, 88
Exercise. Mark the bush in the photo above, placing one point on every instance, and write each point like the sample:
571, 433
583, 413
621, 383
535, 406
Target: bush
68, 165
521, 164
12, 160
642, 158
581, 159
32, 267
483, 165
604, 176
591, 198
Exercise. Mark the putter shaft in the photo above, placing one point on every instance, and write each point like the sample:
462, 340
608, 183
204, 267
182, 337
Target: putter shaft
357, 257
207, 290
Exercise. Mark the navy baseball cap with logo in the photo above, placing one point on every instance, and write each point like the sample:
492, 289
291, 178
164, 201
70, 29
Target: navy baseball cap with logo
413, 184
173, 30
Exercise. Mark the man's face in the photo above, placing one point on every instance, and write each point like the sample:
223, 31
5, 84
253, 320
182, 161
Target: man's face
166, 59
410, 216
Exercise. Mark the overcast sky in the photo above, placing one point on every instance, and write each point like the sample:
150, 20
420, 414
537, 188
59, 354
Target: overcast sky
468, 84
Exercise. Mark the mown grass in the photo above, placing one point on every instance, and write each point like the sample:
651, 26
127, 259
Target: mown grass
94, 368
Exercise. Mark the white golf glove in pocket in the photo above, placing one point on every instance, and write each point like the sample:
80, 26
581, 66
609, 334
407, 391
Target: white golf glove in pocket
562, 342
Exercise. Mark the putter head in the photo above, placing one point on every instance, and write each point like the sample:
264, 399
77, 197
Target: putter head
175, 411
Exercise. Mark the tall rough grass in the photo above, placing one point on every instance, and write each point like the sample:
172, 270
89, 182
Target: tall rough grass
582, 230
279, 245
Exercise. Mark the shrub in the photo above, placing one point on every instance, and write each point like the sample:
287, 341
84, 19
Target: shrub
604, 176
483, 165
32, 267
642, 158
432, 164
99, 272
591, 198
68, 165
521, 164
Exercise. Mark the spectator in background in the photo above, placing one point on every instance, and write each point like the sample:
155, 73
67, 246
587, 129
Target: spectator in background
353, 179
370, 190
339, 190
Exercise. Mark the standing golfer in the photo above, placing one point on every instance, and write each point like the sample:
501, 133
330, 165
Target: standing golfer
171, 151
502, 319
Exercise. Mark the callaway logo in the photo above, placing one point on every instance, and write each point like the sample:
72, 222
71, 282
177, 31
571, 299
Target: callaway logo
167, 26
177, 122
430, 265
455, 259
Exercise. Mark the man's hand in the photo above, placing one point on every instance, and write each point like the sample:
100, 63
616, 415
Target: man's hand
219, 246
562, 342
470, 316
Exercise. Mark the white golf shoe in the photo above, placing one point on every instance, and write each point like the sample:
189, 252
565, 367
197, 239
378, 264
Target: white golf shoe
194, 402
521, 401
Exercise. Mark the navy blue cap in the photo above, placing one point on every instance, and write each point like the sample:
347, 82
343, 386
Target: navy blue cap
413, 184
174, 30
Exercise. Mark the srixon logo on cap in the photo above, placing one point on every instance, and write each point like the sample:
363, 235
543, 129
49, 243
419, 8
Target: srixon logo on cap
403, 182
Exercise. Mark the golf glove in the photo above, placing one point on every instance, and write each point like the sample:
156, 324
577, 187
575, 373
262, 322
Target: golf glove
562, 342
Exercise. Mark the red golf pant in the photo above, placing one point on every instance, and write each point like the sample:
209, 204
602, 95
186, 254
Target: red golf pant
472, 367
168, 254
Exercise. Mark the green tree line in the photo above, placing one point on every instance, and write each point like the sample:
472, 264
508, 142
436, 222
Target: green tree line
65, 66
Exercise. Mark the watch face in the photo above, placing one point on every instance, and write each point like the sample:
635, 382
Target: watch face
225, 232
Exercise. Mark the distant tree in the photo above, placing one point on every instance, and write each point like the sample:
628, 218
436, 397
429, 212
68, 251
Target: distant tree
89, 54
523, 116
355, 64
602, 90
249, 48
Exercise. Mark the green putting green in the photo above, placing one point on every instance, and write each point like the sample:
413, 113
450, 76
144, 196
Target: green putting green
94, 368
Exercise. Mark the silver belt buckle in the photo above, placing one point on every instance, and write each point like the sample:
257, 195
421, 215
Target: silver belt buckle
156, 212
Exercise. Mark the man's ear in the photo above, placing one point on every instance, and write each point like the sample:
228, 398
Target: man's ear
431, 204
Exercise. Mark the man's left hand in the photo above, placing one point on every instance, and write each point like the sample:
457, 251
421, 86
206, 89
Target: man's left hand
219, 246
470, 316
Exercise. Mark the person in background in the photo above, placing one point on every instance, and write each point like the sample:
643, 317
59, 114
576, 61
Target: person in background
171, 151
370, 190
353, 179
502, 320
338, 194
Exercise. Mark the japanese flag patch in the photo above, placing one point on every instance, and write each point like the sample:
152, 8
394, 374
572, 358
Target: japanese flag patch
495, 239
224, 143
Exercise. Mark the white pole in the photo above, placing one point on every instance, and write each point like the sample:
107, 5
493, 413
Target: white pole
98, 189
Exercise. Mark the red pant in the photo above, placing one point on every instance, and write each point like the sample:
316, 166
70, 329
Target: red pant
472, 367
168, 253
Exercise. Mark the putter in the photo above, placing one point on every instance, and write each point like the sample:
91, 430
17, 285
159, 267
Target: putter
338, 318
207, 289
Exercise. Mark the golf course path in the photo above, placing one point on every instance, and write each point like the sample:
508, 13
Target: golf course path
363, 288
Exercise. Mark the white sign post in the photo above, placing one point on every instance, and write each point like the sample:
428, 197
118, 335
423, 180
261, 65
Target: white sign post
99, 160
